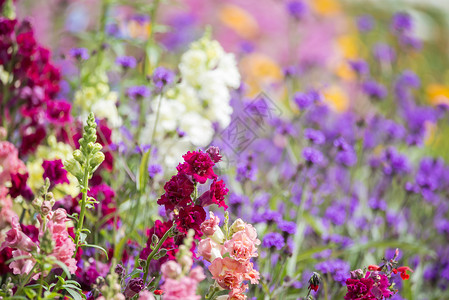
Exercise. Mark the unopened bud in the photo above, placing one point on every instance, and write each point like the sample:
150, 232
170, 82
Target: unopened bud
237, 226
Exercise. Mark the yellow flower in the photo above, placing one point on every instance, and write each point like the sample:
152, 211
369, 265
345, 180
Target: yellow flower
348, 45
337, 98
239, 20
438, 94
326, 7
139, 30
259, 71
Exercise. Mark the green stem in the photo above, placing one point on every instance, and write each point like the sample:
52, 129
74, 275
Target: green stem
27, 279
153, 253
79, 226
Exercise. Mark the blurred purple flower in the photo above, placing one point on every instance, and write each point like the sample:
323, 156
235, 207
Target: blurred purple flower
126, 62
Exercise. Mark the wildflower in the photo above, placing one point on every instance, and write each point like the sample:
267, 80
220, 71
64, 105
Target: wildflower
162, 77
273, 240
138, 92
312, 156
365, 23
297, 9
126, 62
403, 271
303, 100
154, 169
401, 22
315, 136
79, 53
374, 90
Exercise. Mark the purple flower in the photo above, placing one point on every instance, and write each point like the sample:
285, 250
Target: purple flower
287, 227
138, 92
374, 90
303, 100
346, 158
153, 170
341, 144
315, 136
337, 268
312, 156
401, 22
377, 204
297, 9
134, 286
360, 66
273, 240
365, 23
271, 216
126, 62
79, 53
384, 53
162, 77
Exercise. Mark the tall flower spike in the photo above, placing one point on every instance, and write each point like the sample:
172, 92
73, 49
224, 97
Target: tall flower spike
88, 157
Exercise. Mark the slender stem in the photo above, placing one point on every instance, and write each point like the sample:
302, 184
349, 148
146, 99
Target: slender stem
79, 226
153, 253
41, 280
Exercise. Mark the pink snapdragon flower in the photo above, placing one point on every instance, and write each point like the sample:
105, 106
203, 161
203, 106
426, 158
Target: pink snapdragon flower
10, 162
64, 245
241, 247
16, 239
177, 286
6, 212
209, 226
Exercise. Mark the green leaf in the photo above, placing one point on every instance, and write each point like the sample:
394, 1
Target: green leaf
63, 267
17, 258
75, 295
29, 292
143, 173
98, 247
135, 272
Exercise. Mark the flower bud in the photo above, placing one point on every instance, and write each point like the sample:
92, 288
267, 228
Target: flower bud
237, 226
96, 160
46, 208
356, 274
78, 155
74, 168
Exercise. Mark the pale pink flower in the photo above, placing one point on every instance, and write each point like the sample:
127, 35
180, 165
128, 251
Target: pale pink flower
22, 266
146, 295
171, 269
16, 239
9, 162
227, 272
241, 247
197, 274
184, 288
64, 245
209, 249
6, 212
209, 226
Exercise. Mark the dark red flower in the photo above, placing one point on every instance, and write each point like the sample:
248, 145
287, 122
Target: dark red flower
158, 292
215, 195
314, 287
31, 140
19, 186
31, 231
27, 43
53, 170
5, 255
177, 192
58, 112
359, 289
7, 26
199, 165
191, 217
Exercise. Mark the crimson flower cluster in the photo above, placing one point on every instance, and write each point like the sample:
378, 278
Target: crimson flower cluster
31, 85
182, 202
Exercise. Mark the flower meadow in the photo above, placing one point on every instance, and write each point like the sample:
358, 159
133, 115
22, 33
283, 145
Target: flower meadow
224, 150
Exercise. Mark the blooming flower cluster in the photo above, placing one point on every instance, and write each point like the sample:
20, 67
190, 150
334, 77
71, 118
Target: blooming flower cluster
230, 254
